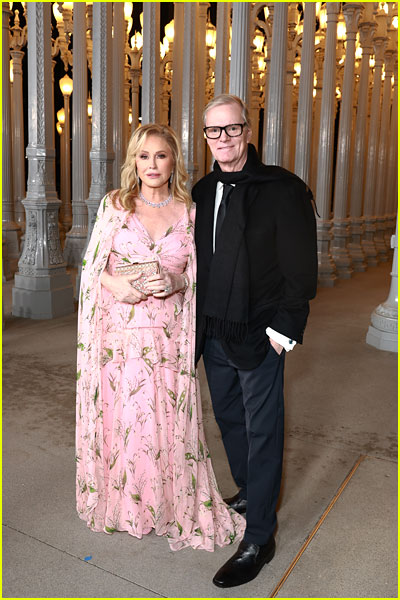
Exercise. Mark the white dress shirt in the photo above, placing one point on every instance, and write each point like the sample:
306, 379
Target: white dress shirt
279, 338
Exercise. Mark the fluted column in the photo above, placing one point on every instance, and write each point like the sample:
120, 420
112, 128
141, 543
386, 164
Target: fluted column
326, 266
18, 145
165, 88
273, 141
380, 187
380, 42
62, 180
254, 95
222, 48
288, 104
101, 154
367, 29
391, 190
304, 113
319, 59
119, 124
126, 128
240, 51
177, 65
76, 238
189, 93
66, 208
382, 332
134, 74
151, 112
11, 229
89, 54
17, 43
293, 127
340, 252
42, 288
201, 87
269, 27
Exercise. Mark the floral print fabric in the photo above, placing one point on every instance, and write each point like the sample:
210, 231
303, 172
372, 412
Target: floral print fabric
142, 459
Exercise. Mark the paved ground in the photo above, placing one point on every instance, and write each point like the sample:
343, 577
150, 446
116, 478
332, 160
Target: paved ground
338, 508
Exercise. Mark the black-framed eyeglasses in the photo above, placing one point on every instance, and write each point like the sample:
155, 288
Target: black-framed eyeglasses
234, 130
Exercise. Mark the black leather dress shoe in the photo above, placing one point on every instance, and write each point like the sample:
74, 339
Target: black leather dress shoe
237, 503
245, 564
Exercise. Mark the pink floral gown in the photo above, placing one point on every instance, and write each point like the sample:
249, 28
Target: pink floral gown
142, 459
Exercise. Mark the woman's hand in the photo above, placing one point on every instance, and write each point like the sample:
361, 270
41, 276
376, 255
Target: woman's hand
122, 287
164, 284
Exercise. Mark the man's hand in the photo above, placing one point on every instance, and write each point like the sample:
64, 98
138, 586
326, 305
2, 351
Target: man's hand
277, 347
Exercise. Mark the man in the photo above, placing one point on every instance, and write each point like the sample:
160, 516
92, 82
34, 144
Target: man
257, 269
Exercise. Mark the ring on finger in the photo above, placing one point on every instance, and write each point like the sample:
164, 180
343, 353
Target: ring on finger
168, 289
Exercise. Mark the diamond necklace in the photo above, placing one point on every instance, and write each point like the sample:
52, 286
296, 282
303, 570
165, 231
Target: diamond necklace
155, 204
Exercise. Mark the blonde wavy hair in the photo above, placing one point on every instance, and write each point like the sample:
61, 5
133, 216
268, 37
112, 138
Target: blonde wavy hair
130, 182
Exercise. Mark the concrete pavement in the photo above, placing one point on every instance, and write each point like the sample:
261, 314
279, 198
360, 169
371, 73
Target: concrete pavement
341, 400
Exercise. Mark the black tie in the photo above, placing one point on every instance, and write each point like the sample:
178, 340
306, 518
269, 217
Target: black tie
222, 210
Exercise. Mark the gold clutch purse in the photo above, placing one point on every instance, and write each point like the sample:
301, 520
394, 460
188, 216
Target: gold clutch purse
151, 267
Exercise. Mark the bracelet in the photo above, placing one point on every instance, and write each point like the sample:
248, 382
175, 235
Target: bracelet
186, 282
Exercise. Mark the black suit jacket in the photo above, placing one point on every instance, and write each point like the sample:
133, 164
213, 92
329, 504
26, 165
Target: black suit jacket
280, 237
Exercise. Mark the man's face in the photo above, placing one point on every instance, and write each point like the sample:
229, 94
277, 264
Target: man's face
230, 152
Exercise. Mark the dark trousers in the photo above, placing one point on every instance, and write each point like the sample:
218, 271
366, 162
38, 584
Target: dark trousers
248, 407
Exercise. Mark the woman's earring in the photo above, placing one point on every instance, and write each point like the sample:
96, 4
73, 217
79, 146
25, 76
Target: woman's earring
171, 177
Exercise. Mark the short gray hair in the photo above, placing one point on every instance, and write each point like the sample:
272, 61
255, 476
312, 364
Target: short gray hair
228, 99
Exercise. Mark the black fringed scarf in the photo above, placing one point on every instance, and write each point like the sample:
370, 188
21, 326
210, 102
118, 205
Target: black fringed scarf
226, 305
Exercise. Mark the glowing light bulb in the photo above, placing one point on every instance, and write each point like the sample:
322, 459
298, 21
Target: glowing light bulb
128, 10
169, 31
61, 116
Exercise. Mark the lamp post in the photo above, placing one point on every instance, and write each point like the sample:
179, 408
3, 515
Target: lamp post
89, 124
60, 130
305, 102
326, 266
210, 80
273, 130
293, 40
320, 39
89, 34
17, 42
382, 154
166, 70
340, 253
165, 79
66, 87
391, 188
42, 287
292, 122
267, 26
63, 15
63, 18
11, 230
135, 55
379, 43
211, 36
363, 55
128, 26
257, 72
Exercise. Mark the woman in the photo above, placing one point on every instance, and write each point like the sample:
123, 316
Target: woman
142, 460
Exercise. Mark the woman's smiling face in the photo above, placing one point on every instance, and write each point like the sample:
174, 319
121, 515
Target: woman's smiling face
154, 162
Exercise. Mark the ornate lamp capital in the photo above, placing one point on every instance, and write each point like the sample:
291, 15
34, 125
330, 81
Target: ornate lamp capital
18, 36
